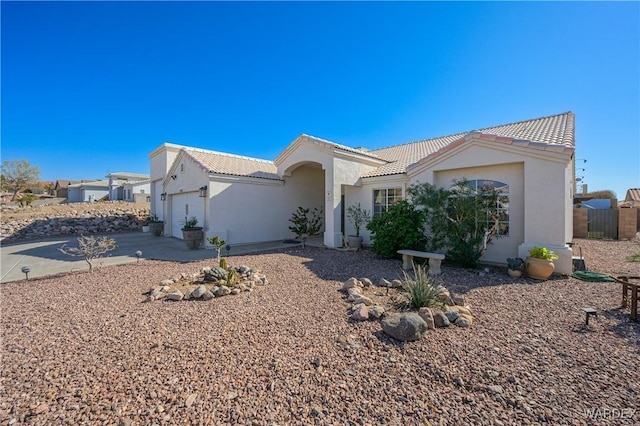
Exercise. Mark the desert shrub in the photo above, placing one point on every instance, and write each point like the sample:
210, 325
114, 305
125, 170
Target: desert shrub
423, 291
634, 257
90, 248
400, 227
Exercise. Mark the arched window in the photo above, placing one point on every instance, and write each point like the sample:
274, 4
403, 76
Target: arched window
478, 186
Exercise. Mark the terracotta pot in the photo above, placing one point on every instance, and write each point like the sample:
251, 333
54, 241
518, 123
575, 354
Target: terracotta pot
540, 269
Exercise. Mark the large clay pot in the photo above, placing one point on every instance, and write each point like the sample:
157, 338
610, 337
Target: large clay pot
156, 228
192, 237
355, 242
540, 269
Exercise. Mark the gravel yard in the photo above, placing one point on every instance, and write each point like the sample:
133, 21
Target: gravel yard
84, 349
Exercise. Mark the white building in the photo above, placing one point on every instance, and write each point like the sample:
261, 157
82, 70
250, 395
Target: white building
129, 186
247, 200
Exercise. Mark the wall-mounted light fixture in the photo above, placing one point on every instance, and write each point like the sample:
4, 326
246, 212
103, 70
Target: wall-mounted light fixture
203, 191
163, 196
174, 177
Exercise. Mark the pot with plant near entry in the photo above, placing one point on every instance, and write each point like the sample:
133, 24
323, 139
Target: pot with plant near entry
358, 217
540, 263
515, 267
192, 234
156, 226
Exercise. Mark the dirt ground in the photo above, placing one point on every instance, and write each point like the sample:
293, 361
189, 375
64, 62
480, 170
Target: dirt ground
55, 208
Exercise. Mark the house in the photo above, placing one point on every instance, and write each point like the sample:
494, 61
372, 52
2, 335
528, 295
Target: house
632, 199
129, 186
88, 191
59, 188
246, 200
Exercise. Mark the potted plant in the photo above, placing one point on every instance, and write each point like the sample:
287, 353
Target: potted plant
145, 224
358, 217
192, 233
515, 267
156, 226
540, 263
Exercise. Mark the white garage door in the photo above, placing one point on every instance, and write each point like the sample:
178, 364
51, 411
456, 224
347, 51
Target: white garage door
185, 205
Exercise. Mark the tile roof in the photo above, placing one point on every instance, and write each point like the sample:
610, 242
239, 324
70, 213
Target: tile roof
233, 165
633, 194
551, 130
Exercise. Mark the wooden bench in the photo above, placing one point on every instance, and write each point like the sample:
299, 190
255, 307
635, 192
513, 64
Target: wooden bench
633, 287
434, 260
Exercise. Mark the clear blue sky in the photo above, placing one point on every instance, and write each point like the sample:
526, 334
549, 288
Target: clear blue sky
91, 88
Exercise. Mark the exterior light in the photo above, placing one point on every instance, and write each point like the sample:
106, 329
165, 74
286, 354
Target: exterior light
26, 270
138, 255
228, 247
203, 191
163, 196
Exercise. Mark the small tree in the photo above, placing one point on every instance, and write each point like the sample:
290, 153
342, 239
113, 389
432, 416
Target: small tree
18, 175
26, 199
306, 222
218, 243
358, 216
90, 248
461, 220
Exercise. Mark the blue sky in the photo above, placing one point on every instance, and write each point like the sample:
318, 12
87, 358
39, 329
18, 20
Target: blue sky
91, 88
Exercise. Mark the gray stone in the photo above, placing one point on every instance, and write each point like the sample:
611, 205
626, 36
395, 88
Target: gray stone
361, 313
207, 295
236, 291
222, 291
452, 316
384, 283
366, 282
404, 327
396, 284
462, 322
166, 282
495, 389
175, 295
198, 292
350, 283
441, 320
363, 299
426, 314
458, 300
376, 312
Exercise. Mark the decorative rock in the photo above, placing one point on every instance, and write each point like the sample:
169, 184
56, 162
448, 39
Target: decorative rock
457, 299
222, 291
396, 284
350, 283
354, 291
495, 389
440, 320
427, 316
175, 295
404, 327
361, 313
236, 291
452, 316
207, 295
166, 282
464, 320
366, 282
215, 274
363, 299
384, 283
376, 312
461, 310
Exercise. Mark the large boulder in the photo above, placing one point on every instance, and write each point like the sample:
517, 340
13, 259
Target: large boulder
404, 327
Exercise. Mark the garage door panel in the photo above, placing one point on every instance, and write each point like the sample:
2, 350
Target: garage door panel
185, 205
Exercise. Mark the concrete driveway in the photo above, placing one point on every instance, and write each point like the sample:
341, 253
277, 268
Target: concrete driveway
44, 258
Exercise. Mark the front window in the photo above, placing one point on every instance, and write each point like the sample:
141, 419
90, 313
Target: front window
384, 198
501, 212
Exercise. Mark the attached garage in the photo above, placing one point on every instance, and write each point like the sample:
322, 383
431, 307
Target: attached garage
184, 206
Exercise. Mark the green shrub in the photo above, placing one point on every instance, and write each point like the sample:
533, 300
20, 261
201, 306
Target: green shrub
634, 257
400, 227
423, 291
306, 222
542, 253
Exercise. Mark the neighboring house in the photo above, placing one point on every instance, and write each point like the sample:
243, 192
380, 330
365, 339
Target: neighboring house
88, 191
128, 186
247, 200
59, 188
632, 199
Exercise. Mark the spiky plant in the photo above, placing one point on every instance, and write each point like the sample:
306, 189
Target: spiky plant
423, 291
